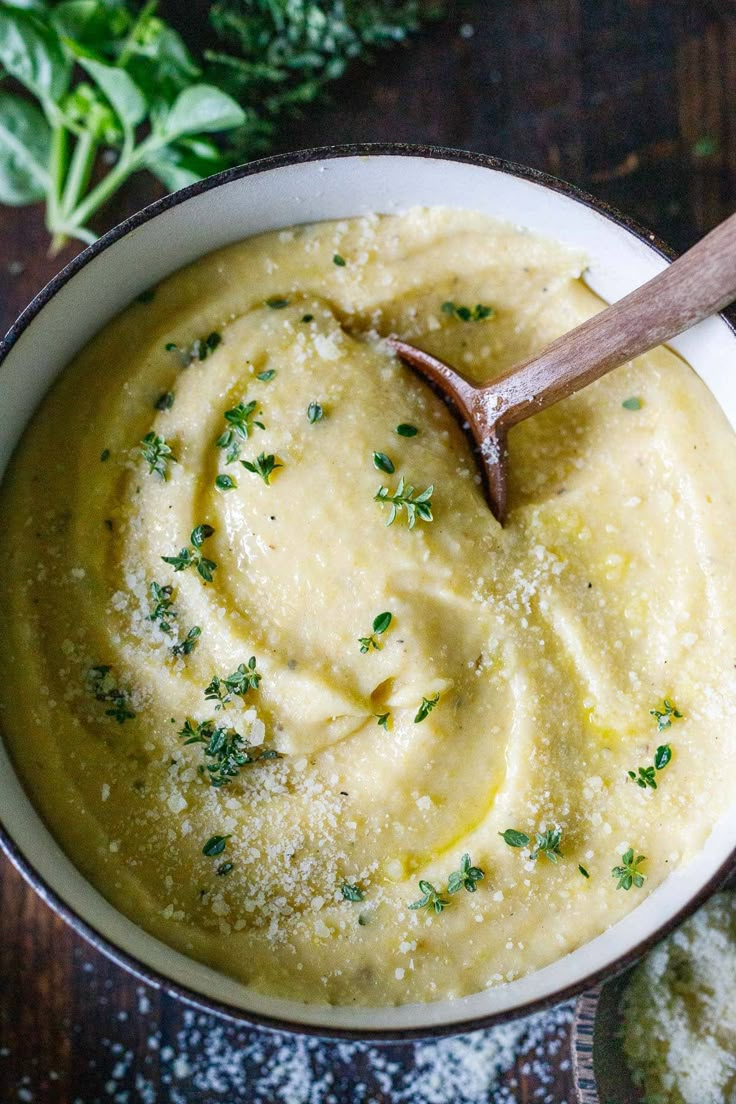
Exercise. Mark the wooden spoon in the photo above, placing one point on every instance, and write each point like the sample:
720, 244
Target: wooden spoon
696, 285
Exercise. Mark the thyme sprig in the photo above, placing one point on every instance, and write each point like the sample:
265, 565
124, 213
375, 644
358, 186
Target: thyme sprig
416, 506
158, 454
193, 557
240, 422
223, 690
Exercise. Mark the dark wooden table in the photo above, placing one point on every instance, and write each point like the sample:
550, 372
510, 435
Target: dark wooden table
634, 100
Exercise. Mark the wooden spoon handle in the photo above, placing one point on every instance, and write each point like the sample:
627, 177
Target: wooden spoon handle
695, 286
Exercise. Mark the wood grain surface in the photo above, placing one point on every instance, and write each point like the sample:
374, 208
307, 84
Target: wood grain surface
634, 100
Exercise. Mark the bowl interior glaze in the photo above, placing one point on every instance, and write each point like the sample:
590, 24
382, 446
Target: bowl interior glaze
280, 192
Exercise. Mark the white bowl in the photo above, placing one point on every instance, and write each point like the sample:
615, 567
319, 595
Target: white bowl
279, 192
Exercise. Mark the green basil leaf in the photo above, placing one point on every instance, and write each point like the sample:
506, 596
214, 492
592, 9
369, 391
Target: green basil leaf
201, 109
120, 90
185, 162
33, 54
90, 22
24, 150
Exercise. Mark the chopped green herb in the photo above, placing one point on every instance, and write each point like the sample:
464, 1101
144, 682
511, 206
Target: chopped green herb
634, 403
351, 892
666, 715
225, 483
186, 646
203, 346
426, 708
224, 868
215, 845
645, 775
467, 877
406, 430
644, 778
382, 462
464, 314
514, 838
545, 843
163, 612
102, 683
227, 749
583, 871
222, 690
628, 873
315, 413
105, 455
240, 422
402, 499
146, 296
662, 756
308, 318
380, 624
170, 346
263, 465
277, 304
165, 401
430, 899
383, 719
264, 377
157, 454
192, 557
338, 260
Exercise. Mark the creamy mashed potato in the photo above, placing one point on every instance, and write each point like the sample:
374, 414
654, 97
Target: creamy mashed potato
512, 689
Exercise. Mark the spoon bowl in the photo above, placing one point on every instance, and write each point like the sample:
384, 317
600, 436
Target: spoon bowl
701, 282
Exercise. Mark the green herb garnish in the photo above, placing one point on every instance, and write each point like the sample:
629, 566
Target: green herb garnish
403, 499
263, 465
203, 346
315, 413
383, 463
308, 318
228, 751
105, 455
223, 690
275, 303
192, 557
426, 708
382, 719
645, 776
351, 892
338, 260
634, 403
240, 422
163, 611
406, 430
583, 871
186, 646
225, 483
215, 845
467, 877
165, 401
102, 683
380, 624
666, 715
464, 314
628, 873
430, 899
224, 868
545, 843
157, 454
266, 376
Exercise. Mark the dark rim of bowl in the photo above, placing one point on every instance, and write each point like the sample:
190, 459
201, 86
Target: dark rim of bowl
7, 844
